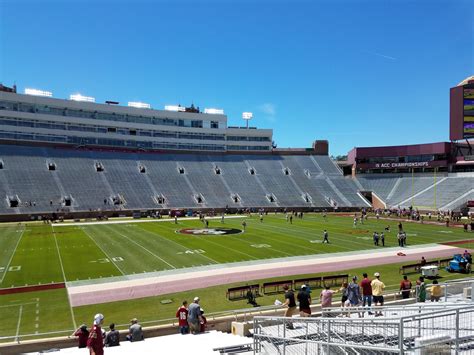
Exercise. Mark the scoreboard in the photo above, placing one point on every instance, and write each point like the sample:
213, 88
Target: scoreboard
462, 112
468, 103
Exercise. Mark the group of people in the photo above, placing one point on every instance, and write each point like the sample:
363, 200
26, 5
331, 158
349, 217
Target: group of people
191, 318
97, 338
304, 300
379, 238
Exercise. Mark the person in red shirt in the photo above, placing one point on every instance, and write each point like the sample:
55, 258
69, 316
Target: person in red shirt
203, 322
405, 287
182, 315
82, 335
366, 292
95, 343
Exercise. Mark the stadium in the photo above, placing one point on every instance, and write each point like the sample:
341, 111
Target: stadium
236, 177
127, 210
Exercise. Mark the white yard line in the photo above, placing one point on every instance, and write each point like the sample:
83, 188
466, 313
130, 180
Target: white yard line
126, 221
177, 244
146, 249
103, 251
64, 276
18, 325
16, 305
11, 258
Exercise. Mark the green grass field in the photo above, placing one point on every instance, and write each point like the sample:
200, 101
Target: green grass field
35, 253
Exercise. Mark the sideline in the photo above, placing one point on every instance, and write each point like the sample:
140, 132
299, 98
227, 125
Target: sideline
88, 292
67, 224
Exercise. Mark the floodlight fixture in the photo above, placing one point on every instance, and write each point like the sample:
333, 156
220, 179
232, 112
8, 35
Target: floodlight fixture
139, 105
214, 111
247, 115
36, 92
175, 108
79, 97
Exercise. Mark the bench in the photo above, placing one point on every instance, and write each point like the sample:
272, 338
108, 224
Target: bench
335, 280
444, 262
276, 287
240, 292
313, 283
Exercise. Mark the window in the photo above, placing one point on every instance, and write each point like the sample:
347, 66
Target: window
214, 124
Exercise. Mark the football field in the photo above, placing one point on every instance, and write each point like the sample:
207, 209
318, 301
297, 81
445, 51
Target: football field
35, 254
40, 254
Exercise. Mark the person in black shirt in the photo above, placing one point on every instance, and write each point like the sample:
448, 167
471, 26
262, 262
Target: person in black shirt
305, 300
290, 304
113, 337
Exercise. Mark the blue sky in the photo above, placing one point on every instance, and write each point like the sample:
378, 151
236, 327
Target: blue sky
358, 73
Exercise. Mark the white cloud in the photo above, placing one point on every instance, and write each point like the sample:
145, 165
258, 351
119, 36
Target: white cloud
269, 110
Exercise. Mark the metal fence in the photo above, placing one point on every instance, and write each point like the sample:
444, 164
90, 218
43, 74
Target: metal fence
450, 328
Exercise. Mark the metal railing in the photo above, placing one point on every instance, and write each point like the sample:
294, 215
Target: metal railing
404, 333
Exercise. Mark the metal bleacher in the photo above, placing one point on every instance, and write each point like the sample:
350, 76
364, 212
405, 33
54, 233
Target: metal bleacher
159, 180
445, 192
445, 327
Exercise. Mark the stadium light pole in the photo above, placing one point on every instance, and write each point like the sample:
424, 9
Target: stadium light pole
247, 116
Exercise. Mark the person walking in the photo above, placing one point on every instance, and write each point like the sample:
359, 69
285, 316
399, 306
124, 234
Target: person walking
95, 342
305, 301
290, 305
325, 237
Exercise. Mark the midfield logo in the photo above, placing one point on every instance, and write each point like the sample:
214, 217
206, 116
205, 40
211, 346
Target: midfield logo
209, 231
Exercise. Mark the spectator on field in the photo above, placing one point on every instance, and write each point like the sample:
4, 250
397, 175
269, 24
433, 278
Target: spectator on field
194, 316
112, 338
95, 342
325, 236
135, 331
81, 334
436, 292
366, 287
405, 287
377, 292
423, 261
421, 290
382, 239
182, 315
305, 301
251, 297
326, 296
290, 305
